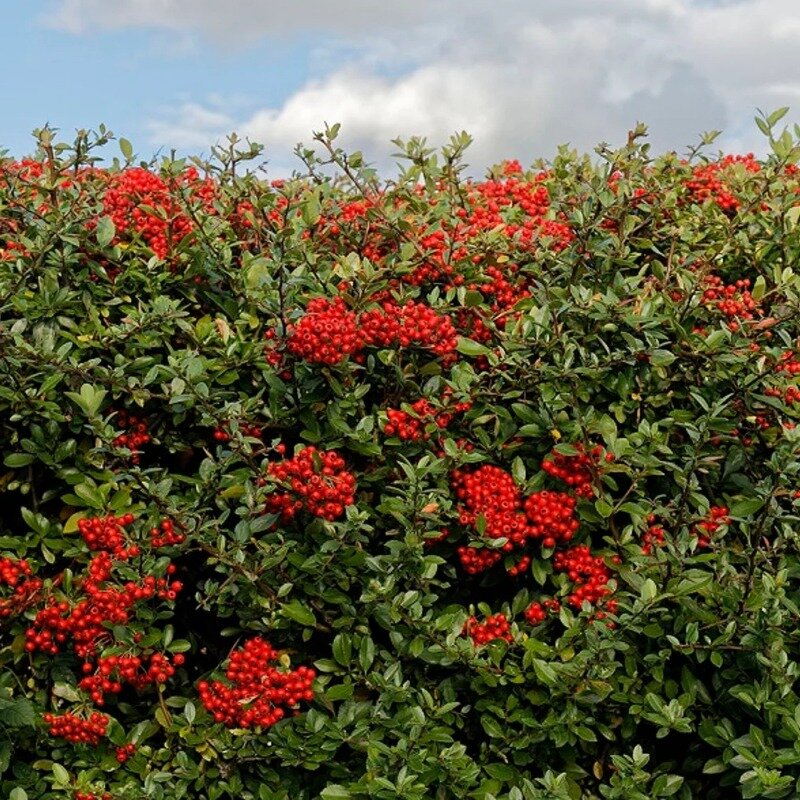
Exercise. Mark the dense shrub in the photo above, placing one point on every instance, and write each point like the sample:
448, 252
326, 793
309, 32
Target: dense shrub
428, 488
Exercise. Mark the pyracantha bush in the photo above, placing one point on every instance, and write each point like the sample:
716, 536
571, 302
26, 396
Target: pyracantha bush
434, 487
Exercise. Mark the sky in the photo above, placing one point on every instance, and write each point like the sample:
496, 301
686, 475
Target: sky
521, 76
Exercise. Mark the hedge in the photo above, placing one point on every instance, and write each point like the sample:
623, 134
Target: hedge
338, 486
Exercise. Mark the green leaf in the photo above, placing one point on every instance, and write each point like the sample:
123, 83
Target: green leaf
544, 672
492, 727
60, 774
257, 273
472, 299
366, 653
649, 590
584, 733
90, 495
89, 400
342, 691
36, 522
501, 772
299, 613
116, 733
311, 210
15, 460
126, 148
692, 581
105, 231
661, 358
759, 288
742, 509
5, 755
17, 713
792, 217
604, 509
334, 791
777, 115
667, 785
162, 718
342, 648
714, 339
66, 691
471, 348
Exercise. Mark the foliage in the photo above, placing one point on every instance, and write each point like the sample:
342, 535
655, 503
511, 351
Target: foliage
508, 468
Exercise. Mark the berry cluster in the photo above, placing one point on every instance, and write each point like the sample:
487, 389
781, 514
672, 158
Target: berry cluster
577, 470
733, 300
552, 517
409, 324
317, 481
475, 560
653, 536
93, 796
717, 516
411, 427
496, 626
110, 674
28, 169
485, 488
512, 206
526, 202
491, 493
17, 575
87, 623
328, 333
124, 752
588, 573
165, 535
13, 250
500, 293
789, 395
257, 693
471, 322
78, 730
520, 567
135, 435
246, 429
13, 572
140, 203
762, 421
107, 533
707, 181
352, 221
789, 363
536, 612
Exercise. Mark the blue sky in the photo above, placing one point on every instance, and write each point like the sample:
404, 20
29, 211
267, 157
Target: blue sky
125, 77
521, 75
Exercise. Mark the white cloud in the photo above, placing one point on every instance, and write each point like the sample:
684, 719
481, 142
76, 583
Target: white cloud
520, 75
238, 18
195, 121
